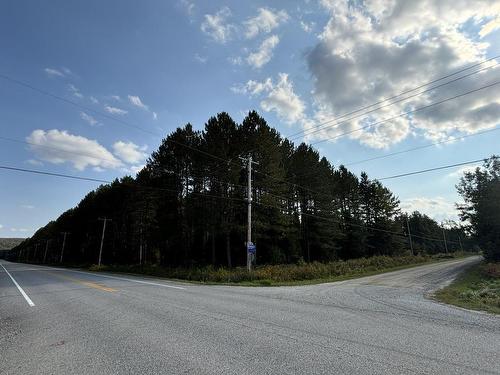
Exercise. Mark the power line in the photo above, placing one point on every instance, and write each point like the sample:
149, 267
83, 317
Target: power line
123, 122
54, 174
397, 101
356, 225
294, 135
432, 169
105, 115
495, 128
60, 175
409, 112
138, 186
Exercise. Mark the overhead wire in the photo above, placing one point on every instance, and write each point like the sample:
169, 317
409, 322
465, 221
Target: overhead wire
432, 169
495, 128
61, 175
320, 125
409, 112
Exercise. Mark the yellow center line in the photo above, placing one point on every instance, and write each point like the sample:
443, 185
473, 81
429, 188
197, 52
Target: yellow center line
86, 283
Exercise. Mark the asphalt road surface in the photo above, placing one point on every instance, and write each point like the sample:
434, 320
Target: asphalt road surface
69, 322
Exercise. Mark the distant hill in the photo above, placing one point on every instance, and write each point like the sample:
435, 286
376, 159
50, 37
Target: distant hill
9, 243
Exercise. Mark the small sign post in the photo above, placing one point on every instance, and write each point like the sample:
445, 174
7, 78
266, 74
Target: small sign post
251, 251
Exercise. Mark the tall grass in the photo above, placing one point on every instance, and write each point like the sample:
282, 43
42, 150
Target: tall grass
277, 274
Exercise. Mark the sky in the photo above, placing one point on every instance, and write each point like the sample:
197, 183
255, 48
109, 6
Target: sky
69, 68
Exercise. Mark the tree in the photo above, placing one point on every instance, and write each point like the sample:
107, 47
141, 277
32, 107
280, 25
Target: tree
480, 190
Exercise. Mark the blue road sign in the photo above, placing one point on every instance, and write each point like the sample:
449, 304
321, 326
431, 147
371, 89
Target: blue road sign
251, 248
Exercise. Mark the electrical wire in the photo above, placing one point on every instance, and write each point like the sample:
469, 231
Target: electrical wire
432, 169
409, 112
301, 133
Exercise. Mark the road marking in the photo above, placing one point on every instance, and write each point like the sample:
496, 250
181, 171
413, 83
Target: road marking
86, 283
120, 278
30, 302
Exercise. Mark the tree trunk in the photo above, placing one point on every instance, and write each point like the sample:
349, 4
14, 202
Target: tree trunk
213, 248
228, 250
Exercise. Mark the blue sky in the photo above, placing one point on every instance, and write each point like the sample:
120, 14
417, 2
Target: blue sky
158, 65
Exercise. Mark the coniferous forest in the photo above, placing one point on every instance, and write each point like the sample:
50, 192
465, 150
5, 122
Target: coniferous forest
188, 207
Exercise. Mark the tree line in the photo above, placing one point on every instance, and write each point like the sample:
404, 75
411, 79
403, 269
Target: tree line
187, 207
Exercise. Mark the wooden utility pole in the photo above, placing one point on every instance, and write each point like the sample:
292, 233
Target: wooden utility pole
445, 244
63, 245
104, 220
46, 249
34, 255
250, 247
409, 235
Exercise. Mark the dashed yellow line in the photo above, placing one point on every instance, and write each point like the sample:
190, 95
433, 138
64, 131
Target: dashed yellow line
86, 283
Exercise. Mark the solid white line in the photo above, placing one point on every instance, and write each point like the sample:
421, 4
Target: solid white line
30, 302
120, 278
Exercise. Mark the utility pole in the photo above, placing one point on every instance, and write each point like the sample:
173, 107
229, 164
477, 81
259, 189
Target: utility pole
409, 235
140, 246
46, 249
445, 244
63, 245
104, 220
250, 247
34, 255
460, 242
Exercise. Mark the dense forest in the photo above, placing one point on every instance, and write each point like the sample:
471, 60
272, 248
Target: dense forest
480, 190
188, 207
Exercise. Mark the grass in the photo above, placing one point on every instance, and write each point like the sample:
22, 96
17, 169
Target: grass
284, 274
478, 288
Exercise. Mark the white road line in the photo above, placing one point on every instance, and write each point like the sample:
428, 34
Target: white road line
120, 278
30, 302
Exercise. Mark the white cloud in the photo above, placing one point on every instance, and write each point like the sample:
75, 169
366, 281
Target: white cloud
371, 50
58, 147
155, 116
75, 91
135, 168
27, 206
491, 26
217, 27
67, 71
51, 72
1, 226
115, 111
89, 119
23, 230
284, 101
136, 101
264, 54
200, 59
116, 97
129, 152
253, 88
189, 7
278, 97
437, 208
307, 27
34, 162
235, 60
458, 173
265, 21
94, 100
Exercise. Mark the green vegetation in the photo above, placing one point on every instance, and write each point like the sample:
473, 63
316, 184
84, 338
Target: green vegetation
186, 209
477, 288
480, 190
285, 274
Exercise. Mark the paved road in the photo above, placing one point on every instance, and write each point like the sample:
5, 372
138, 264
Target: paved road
85, 323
